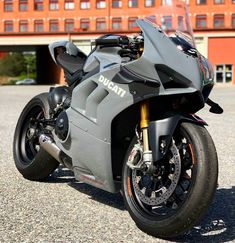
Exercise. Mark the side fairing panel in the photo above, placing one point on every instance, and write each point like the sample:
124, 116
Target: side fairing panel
95, 102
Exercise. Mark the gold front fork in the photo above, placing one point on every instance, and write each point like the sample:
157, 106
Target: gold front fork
144, 123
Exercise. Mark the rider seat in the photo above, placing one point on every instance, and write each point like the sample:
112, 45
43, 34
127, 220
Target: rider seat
72, 60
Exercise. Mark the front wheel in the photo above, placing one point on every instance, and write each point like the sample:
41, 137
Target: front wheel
172, 198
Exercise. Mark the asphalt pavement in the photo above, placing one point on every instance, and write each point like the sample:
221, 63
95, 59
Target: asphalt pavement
63, 210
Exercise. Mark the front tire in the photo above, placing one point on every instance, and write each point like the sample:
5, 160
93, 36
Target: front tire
33, 162
192, 195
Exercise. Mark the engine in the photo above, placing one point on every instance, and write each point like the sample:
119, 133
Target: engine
59, 99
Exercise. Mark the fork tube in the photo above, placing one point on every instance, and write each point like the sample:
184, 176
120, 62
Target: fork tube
144, 123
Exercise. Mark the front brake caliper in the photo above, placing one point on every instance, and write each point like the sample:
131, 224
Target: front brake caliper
135, 159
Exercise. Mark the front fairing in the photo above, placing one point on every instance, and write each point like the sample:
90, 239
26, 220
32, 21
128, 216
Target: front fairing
178, 67
163, 62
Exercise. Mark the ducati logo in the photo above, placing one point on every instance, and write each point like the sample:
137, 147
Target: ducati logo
110, 85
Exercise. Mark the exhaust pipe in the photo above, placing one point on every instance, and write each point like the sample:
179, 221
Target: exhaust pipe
49, 145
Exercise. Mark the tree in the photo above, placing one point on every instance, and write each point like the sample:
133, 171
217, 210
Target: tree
30, 62
13, 64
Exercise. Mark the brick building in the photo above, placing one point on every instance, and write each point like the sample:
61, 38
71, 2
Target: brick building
213, 22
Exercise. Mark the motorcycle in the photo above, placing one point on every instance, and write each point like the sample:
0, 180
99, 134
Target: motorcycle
126, 122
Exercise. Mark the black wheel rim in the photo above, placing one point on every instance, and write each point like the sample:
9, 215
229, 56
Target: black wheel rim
28, 138
184, 186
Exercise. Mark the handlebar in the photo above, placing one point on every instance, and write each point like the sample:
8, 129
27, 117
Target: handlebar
122, 40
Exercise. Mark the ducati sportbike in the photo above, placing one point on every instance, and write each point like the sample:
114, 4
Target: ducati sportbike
126, 122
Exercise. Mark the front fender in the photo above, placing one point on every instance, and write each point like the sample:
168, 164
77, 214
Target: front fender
161, 132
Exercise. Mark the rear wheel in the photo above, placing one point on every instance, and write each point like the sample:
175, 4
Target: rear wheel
33, 162
173, 197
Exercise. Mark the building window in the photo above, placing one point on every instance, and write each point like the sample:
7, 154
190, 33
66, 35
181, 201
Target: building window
181, 23
54, 25
132, 3
85, 24
224, 73
132, 23
100, 24
23, 26
8, 26
166, 22
53, 5
116, 3
38, 25
201, 2
166, 2
85, 4
69, 4
219, 20
8, 5
218, 1
149, 3
201, 21
100, 4
23, 5
38, 5
233, 20
69, 25
116, 23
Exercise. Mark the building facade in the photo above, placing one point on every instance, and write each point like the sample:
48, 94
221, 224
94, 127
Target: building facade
214, 27
213, 22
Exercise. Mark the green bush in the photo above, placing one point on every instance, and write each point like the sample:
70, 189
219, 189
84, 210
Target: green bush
19, 65
11, 82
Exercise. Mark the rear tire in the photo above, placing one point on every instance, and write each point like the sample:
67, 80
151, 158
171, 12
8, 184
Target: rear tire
33, 162
163, 220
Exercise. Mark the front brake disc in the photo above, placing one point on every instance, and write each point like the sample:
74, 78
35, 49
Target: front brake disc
157, 196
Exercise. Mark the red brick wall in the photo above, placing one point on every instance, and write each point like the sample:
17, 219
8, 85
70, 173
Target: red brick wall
210, 9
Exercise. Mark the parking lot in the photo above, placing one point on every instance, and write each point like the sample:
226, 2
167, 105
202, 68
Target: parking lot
63, 210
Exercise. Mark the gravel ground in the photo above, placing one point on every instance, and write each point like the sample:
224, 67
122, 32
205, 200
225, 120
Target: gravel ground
62, 210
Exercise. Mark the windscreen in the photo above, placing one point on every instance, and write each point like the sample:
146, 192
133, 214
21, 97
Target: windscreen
172, 17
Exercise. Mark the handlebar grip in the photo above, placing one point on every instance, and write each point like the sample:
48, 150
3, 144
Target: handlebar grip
100, 42
122, 40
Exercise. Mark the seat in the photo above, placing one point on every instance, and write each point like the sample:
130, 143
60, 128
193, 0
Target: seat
71, 64
72, 60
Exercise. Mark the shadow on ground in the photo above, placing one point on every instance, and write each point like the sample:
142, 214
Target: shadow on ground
63, 175
218, 225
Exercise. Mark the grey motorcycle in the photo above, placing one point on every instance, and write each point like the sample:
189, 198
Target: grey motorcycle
126, 122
